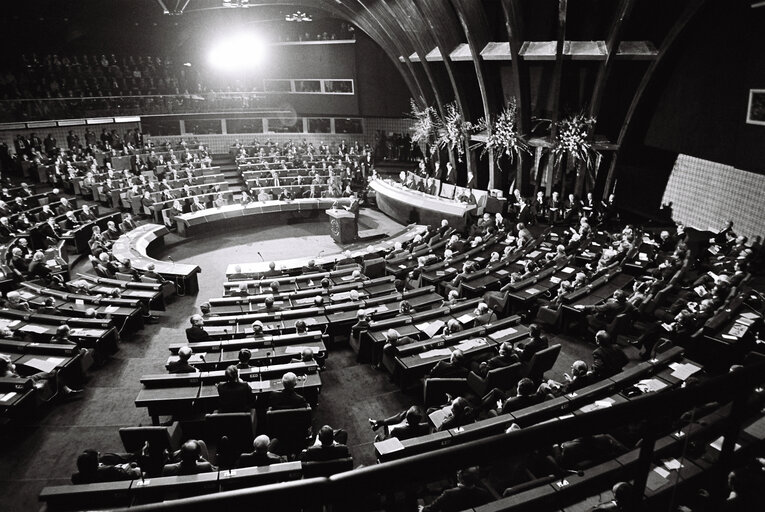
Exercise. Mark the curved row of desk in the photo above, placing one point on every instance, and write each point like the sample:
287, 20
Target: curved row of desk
235, 215
135, 245
406, 205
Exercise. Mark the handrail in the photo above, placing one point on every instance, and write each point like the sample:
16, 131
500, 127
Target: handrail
386, 477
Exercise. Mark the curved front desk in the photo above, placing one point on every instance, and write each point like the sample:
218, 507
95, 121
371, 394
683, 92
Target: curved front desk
409, 206
258, 213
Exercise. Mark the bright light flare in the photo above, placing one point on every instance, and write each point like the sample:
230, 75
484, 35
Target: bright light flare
238, 52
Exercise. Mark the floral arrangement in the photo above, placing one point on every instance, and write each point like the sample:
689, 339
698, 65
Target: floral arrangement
572, 138
423, 129
452, 131
503, 137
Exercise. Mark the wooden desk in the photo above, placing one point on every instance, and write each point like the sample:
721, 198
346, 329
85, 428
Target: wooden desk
407, 205
238, 215
134, 246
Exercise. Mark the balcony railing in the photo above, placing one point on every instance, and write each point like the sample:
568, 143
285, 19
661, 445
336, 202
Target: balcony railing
18, 110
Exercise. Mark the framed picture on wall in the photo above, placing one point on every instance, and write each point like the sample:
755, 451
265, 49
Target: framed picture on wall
755, 114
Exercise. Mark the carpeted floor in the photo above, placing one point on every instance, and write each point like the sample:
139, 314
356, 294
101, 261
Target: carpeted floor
43, 451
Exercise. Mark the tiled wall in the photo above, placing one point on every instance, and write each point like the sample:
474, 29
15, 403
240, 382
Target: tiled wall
706, 195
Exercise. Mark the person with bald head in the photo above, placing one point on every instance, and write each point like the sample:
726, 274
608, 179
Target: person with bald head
260, 455
191, 463
287, 398
182, 364
196, 332
506, 357
306, 356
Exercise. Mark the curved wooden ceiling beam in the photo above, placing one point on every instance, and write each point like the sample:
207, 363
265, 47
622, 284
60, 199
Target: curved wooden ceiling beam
437, 26
621, 15
409, 31
474, 27
366, 13
512, 9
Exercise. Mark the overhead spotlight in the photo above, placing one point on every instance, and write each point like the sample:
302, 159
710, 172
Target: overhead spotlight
240, 52
298, 17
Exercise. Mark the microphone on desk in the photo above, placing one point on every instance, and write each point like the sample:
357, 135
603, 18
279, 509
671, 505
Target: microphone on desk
261, 256
171, 259
320, 253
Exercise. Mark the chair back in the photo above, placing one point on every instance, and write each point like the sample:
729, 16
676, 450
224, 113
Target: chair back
542, 361
504, 378
237, 426
290, 427
374, 268
619, 325
326, 468
134, 438
435, 389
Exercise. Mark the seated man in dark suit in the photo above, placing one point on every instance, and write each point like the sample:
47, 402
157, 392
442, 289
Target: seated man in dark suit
51, 231
455, 367
505, 358
599, 316
233, 394
191, 462
535, 343
182, 364
525, 396
92, 468
287, 398
607, 359
260, 456
196, 332
466, 495
406, 425
326, 449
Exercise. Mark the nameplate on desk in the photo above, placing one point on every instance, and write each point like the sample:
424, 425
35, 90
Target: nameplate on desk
532, 291
259, 385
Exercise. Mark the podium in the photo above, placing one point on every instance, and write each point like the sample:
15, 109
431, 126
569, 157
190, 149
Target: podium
342, 226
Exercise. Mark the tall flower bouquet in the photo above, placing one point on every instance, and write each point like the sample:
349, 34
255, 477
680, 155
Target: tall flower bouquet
572, 138
503, 137
424, 127
453, 131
